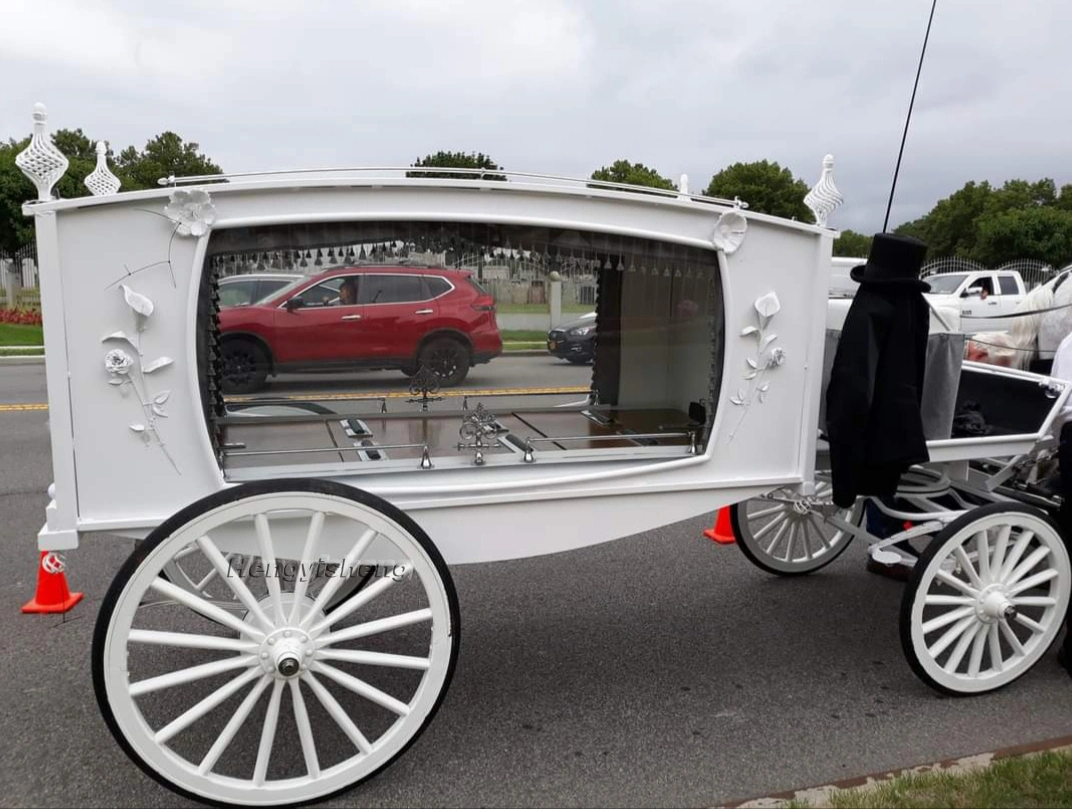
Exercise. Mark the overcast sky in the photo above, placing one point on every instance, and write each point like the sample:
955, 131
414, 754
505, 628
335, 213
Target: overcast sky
565, 86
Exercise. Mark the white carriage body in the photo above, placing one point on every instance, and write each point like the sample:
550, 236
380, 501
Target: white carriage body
109, 478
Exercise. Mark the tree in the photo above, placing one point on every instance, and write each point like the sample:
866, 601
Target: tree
163, 156
457, 160
949, 228
766, 187
852, 244
1040, 232
622, 171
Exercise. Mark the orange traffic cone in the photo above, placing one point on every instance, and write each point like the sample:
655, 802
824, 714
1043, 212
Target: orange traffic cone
722, 533
52, 593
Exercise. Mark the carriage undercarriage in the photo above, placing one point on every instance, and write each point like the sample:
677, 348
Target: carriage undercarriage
989, 576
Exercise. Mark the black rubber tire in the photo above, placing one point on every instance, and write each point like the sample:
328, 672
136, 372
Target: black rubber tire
912, 586
448, 359
735, 522
245, 366
409, 369
229, 495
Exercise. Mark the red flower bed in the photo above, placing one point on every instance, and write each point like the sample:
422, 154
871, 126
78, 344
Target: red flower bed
20, 317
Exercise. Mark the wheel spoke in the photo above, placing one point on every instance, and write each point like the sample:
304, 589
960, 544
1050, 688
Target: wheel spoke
228, 733
271, 719
1030, 623
932, 600
1028, 564
948, 578
363, 689
238, 587
1011, 638
818, 526
1041, 577
376, 659
271, 566
1035, 601
1001, 546
951, 635
783, 522
976, 660
982, 550
946, 618
201, 585
770, 526
217, 697
1014, 557
305, 730
968, 567
962, 646
183, 676
790, 541
210, 611
758, 515
333, 584
356, 602
997, 660
312, 539
331, 705
187, 640
374, 627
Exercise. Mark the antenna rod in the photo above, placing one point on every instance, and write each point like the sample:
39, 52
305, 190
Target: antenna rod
908, 117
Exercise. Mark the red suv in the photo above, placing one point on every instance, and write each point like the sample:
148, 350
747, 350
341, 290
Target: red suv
372, 318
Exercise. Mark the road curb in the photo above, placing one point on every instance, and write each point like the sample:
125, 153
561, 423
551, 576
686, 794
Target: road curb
965, 764
16, 360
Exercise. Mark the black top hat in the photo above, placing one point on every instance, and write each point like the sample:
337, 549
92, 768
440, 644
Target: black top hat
894, 260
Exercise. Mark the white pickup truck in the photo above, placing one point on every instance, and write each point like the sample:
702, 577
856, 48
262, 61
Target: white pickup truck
982, 297
978, 298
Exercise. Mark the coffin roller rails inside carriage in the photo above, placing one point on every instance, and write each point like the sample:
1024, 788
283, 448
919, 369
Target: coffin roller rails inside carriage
874, 421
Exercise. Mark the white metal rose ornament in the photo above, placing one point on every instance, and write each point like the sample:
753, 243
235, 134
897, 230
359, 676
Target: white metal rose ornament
729, 231
127, 372
192, 211
766, 358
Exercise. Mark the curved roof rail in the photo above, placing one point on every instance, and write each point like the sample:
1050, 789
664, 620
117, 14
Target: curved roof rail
486, 175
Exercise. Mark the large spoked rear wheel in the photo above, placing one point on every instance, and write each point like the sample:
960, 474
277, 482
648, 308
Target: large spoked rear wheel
986, 599
282, 702
787, 535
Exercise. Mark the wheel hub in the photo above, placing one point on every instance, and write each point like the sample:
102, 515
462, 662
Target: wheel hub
286, 653
993, 605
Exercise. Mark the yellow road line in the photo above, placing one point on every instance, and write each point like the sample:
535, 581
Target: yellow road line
335, 397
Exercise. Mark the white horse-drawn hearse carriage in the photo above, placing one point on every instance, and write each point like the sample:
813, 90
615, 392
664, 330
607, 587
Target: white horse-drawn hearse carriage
286, 625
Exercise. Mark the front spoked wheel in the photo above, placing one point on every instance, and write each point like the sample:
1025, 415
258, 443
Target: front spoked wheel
789, 535
986, 599
281, 702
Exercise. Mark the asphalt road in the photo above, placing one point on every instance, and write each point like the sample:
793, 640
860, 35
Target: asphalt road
659, 670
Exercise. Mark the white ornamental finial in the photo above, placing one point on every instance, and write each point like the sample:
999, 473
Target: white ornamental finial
683, 185
824, 198
102, 182
41, 161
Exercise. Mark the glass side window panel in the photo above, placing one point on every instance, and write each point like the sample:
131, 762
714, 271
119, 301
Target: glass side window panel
392, 289
448, 316
437, 286
337, 291
1008, 285
237, 293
